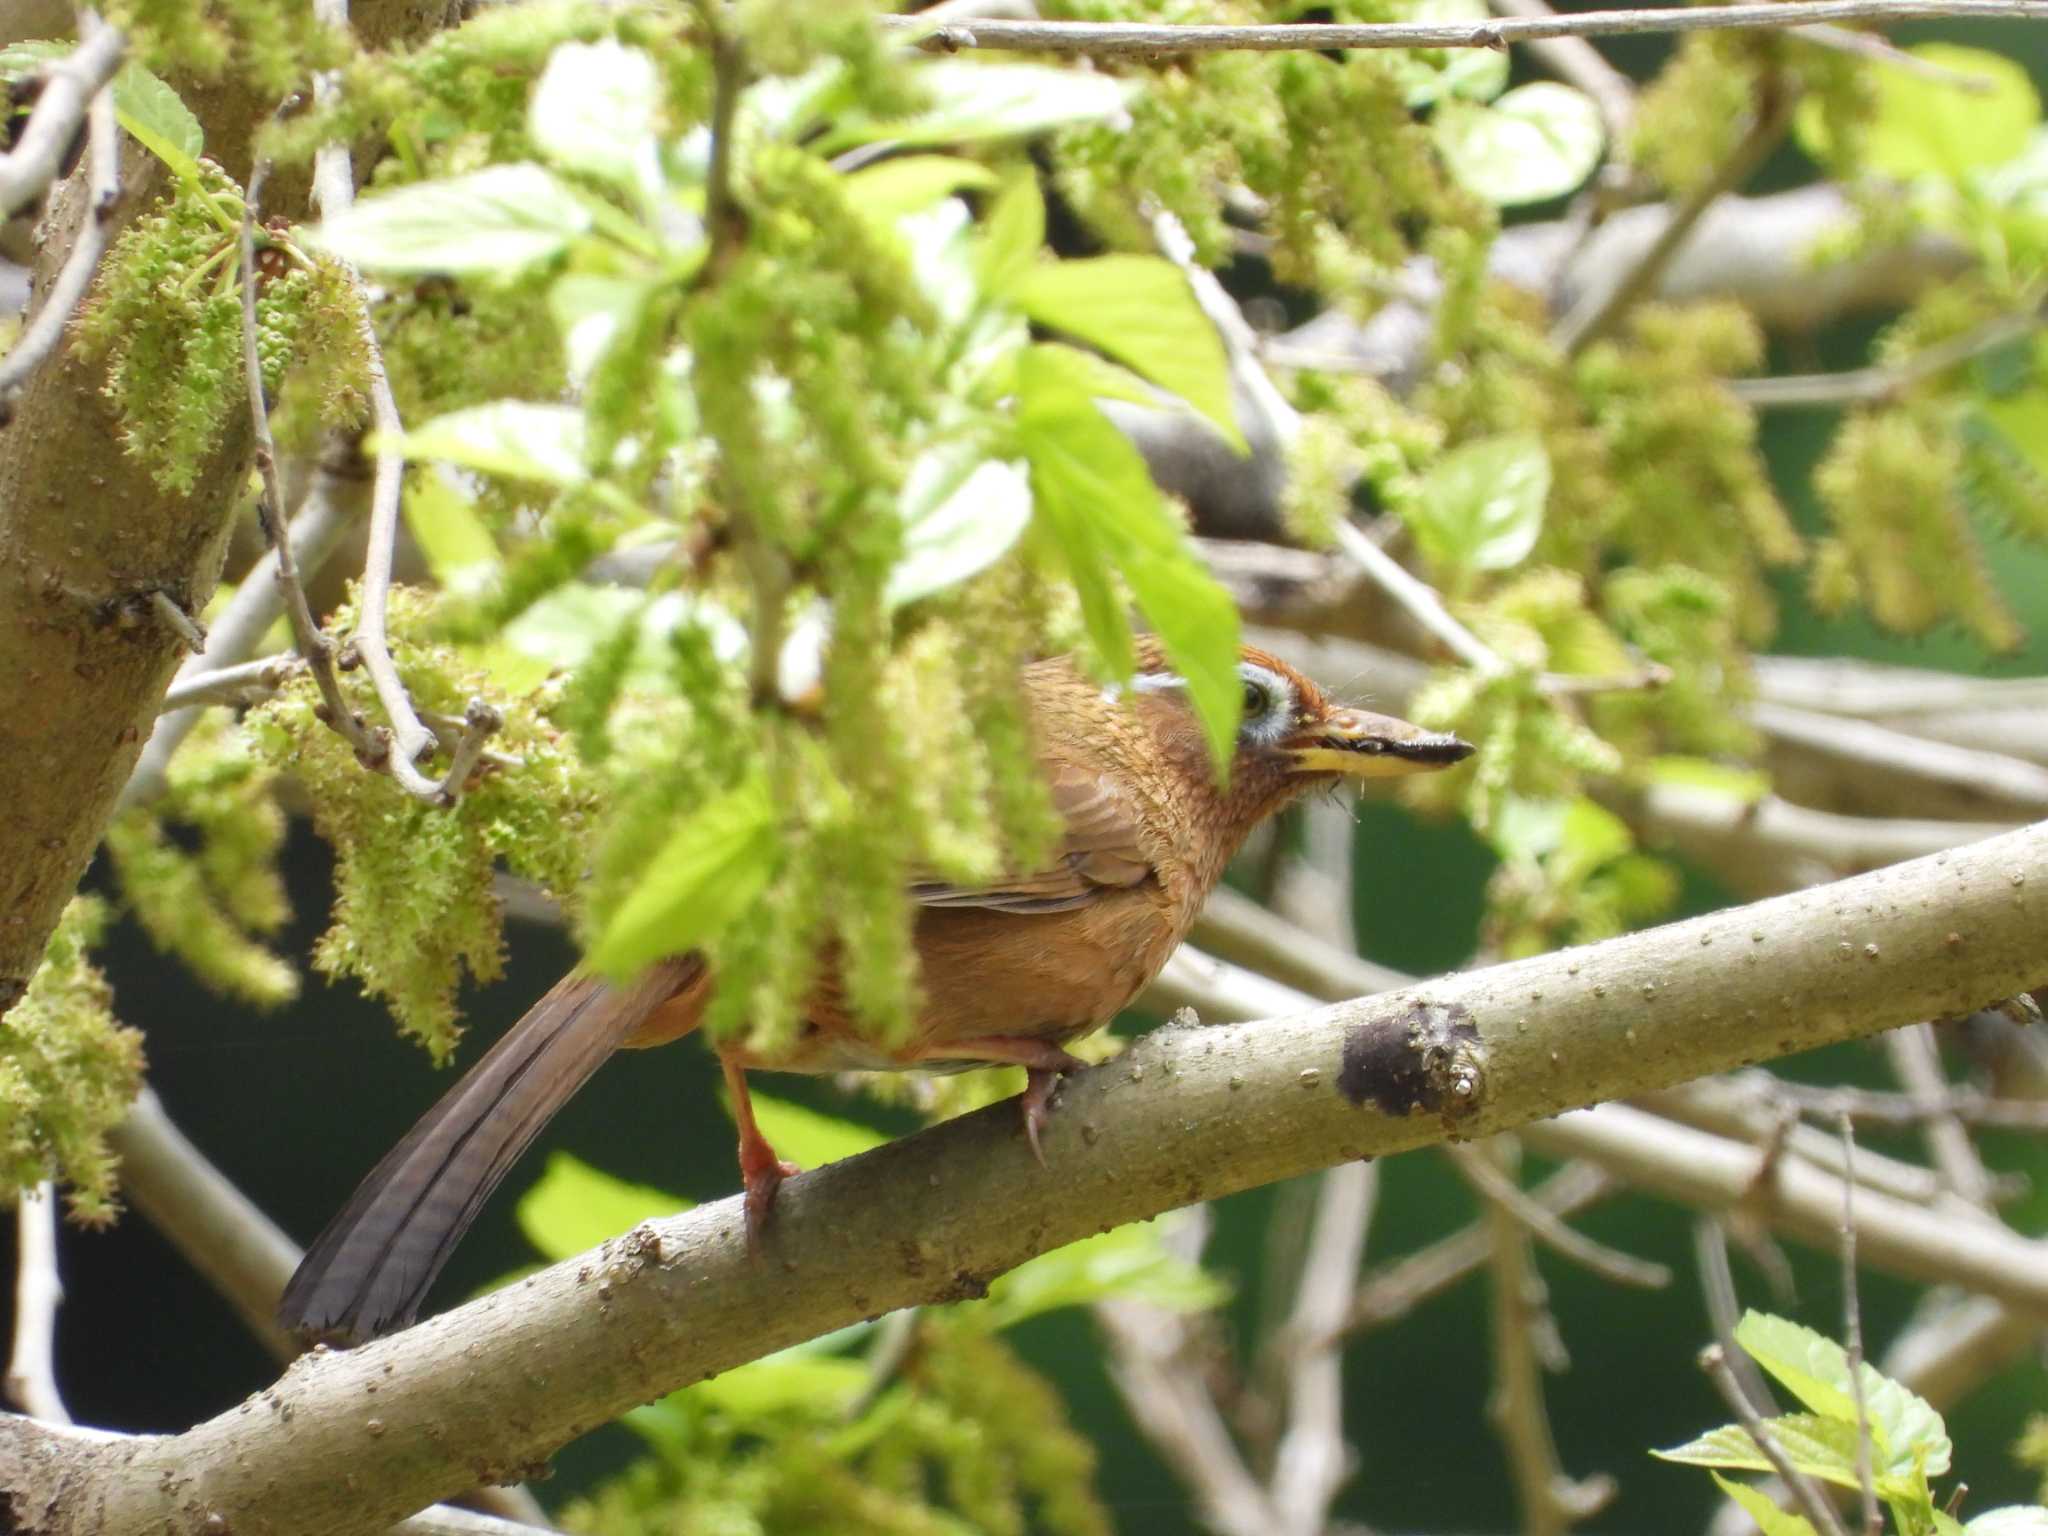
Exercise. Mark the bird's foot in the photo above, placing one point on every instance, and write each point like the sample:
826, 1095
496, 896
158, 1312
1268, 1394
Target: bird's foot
762, 1176
1040, 1083
1042, 1061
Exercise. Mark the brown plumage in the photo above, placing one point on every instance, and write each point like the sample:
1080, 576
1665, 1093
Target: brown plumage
1011, 971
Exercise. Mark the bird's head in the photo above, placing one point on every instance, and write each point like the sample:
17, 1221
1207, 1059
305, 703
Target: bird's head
1290, 736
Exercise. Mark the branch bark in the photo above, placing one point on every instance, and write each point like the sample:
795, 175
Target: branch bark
347, 1442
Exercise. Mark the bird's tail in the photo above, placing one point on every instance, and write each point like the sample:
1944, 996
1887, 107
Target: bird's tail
368, 1272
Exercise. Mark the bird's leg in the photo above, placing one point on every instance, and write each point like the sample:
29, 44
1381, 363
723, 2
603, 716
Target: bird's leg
1042, 1061
761, 1171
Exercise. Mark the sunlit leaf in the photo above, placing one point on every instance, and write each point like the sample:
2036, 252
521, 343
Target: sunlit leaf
1130, 1263
1480, 507
518, 439
2011, 1520
1819, 1446
494, 222
1012, 235
1537, 142
908, 183
573, 1207
1925, 125
1141, 311
1428, 76
1743, 786
1815, 1369
709, 871
809, 1138
459, 549
960, 516
596, 109
1770, 1519
158, 120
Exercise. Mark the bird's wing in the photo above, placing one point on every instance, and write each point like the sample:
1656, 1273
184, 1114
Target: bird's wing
1100, 852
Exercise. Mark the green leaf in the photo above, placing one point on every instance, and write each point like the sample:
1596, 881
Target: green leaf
518, 439
589, 309
494, 222
2011, 1520
1770, 1519
1821, 1447
1537, 142
596, 109
1089, 372
1480, 507
1141, 311
908, 183
810, 1139
1105, 515
1926, 126
1130, 1263
971, 101
1014, 232
1744, 786
158, 120
815, 1386
960, 515
2022, 420
459, 549
1815, 1369
573, 1207
707, 874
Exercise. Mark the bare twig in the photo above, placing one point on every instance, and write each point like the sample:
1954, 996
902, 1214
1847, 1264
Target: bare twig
329, 507
1551, 1501
1497, 1188
1852, 1329
68, 85
1121, 39
40, 336
1313, 1461
1717, 1286
177, 620
1418, 599
313, 645
1885, 381
1916, 1061
1714, 1361
1391, 1293
1577, 62
238, 684
1597, 309
38, 1293
1965, 1105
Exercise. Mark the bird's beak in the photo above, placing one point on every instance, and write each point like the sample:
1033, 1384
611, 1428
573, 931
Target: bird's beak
1361, 745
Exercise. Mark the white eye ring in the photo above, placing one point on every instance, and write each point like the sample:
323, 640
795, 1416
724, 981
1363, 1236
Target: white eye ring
1269, 704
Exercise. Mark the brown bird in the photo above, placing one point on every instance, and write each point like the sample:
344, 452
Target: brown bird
1011, 971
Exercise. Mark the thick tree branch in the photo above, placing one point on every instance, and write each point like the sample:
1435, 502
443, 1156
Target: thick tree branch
346, 1442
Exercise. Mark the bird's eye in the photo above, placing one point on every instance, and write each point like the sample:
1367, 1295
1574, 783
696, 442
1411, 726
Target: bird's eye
1257, 700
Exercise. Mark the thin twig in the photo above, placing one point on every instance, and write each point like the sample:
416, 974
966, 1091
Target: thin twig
1313, 1461
1717, 1286
1392, 1292
1966, 1105
40, 336
1916, 1061
238, 684
68, 85
1127, 39
306, 634
1524, 1341
38, 1293
1597, 309
181, 623
1811, 1503
410, 738
329, 507
1852, 1329
1418, 599
1885, 381
1498, 1189
1870, 46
